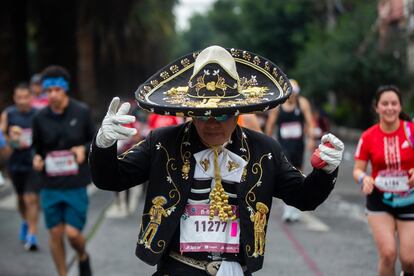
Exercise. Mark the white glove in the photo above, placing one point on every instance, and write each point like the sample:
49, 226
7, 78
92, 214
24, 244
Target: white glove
112, 129
332, 156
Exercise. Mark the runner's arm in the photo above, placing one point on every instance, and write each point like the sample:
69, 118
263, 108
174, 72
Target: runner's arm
250, 121
38, 163
271, 121
3, 122
36, 139
309, 122
362, 178
5, 150
360, 168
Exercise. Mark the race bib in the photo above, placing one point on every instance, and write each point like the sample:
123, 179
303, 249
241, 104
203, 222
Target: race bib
25, 140
292, 130
392, 181
200, 234
61, 163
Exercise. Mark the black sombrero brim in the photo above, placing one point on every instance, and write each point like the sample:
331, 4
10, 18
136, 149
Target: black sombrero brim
166, 91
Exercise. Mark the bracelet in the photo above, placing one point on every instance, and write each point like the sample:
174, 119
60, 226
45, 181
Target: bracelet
361, 178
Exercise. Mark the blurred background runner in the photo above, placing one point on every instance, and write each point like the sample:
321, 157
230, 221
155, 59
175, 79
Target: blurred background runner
293, 121
62, 133
249, 121
16, 121
4, 154
39, 97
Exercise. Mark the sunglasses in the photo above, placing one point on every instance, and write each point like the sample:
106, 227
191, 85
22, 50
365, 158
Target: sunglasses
221, 118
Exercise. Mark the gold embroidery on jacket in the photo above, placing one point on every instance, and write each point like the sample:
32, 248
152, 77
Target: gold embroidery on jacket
185, 154
156, 213
244, 148
123, 155
157, 210
231, 165
205, 164
259, 219
250, 198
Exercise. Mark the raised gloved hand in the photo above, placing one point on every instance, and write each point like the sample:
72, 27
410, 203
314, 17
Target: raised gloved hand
112, 129
328, 155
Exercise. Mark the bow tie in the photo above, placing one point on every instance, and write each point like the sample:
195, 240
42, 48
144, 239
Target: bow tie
231, 165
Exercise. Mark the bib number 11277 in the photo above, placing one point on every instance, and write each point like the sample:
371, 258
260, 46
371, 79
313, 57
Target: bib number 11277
210, 226
199, 233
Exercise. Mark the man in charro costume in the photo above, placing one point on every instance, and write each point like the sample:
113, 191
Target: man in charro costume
218, 179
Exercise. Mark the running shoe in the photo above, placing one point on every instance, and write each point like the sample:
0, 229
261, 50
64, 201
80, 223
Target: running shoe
85, 267
23, 231
31, 243
290, 214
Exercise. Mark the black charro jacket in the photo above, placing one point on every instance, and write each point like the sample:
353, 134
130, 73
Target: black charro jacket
160, 159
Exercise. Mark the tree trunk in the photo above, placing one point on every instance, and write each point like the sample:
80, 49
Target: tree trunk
56, 43
86, 61
13, 52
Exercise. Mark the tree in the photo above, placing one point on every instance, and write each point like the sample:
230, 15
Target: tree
330, 47
13, 55
275, 29
109, 47
347, 62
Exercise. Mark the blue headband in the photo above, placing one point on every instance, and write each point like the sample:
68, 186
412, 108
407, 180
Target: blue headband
53, 82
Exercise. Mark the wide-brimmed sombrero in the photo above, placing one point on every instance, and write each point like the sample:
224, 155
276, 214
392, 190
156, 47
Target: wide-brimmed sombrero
215, 82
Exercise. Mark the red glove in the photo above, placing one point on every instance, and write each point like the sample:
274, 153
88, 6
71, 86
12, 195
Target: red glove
316, 160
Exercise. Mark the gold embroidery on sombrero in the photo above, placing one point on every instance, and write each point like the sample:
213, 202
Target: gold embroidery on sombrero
235, 52
169, 89
179, 96
275, 73
220, 84
154, 83
174, 69
246, 55
185, 62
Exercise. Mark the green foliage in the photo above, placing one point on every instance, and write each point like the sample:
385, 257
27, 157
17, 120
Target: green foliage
275, 29
220, 26
347, 60
330, 49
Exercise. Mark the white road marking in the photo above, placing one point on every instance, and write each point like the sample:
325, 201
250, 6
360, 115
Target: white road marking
9, 202
313, 223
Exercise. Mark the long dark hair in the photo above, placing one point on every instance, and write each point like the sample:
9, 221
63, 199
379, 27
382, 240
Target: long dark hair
390, 87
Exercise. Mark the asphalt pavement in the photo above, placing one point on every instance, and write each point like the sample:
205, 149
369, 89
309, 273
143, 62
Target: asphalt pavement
333, 240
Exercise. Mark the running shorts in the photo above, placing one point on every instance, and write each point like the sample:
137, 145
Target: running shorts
67, 206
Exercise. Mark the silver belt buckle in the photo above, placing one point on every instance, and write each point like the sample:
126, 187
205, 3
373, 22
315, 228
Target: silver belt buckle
213, 267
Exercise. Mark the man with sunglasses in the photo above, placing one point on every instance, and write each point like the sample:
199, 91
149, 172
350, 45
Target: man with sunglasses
216, 179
